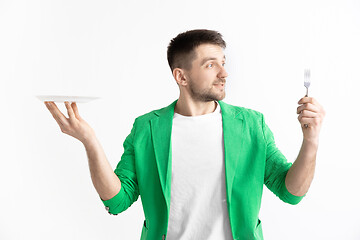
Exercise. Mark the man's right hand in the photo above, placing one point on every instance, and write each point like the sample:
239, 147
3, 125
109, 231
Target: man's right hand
74, 126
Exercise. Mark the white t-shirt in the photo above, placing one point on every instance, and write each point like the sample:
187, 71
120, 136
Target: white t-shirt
198, 207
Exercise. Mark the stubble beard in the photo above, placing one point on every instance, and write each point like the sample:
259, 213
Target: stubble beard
206, 95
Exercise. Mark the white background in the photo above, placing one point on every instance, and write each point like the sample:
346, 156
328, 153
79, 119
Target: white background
117, 50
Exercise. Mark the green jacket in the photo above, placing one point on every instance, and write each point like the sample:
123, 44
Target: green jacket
251, 160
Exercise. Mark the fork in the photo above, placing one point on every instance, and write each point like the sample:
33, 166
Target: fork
307, 80
307, 85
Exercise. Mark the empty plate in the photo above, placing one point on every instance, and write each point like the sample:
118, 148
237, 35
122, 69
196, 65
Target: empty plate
63, 98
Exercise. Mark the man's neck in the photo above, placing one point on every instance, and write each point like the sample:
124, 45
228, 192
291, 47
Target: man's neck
189, 107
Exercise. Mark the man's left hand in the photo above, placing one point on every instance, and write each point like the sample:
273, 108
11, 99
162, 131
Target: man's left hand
310, 113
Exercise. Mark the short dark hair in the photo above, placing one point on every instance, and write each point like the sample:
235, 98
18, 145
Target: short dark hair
181, 50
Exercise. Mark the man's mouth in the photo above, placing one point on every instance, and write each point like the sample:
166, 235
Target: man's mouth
219, 85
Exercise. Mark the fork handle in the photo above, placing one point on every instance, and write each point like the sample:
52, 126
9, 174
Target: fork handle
306, 125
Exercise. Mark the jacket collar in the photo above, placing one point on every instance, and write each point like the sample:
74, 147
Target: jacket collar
161, 127
225, 108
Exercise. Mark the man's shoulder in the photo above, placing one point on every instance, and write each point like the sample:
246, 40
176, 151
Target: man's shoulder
246, 113
243, 111
146, 117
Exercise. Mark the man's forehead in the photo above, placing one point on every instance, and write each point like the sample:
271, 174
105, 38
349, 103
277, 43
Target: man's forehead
210, 51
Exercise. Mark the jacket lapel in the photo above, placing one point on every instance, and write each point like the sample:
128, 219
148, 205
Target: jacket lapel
161, 127
232, 130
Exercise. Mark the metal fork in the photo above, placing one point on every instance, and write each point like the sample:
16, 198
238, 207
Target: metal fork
307, 85
307, 80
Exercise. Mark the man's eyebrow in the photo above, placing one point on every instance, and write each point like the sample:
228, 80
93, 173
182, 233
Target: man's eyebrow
208, 59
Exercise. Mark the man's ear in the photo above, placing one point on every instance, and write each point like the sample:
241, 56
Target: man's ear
179, 76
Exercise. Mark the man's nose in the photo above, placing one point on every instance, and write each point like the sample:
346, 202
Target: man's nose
222, 73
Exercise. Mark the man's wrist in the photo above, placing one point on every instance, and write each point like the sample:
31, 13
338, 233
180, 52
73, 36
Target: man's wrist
313, 141
90, 142
310, 147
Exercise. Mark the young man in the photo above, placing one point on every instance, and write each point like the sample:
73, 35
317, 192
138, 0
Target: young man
199, 164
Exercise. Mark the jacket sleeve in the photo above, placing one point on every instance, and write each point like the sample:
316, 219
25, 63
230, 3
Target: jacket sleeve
276, 169
125, 170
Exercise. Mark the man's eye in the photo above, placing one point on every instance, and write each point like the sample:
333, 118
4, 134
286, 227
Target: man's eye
210, 65
223, 64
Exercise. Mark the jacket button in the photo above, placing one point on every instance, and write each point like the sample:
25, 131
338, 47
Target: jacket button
163, 237
108, 209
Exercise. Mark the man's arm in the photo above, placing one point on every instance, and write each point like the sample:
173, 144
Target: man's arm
301, 173
105, 181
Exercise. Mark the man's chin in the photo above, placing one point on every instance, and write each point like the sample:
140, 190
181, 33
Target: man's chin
221, 97
217, 98
210, 97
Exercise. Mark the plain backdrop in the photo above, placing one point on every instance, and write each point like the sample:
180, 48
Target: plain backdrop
116, 50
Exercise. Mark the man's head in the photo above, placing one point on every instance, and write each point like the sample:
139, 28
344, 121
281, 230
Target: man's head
197, 62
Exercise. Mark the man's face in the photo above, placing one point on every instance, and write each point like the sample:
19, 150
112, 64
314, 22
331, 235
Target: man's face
206, 79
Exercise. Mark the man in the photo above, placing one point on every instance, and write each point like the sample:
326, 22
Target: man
199, 164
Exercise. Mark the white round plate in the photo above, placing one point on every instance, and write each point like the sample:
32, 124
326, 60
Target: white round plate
61, 98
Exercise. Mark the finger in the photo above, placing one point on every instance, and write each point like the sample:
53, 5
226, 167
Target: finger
302, 100
308, 114
76, 110
313, 121
308, 100
309, 107
57, 114
70, 111
305, 120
